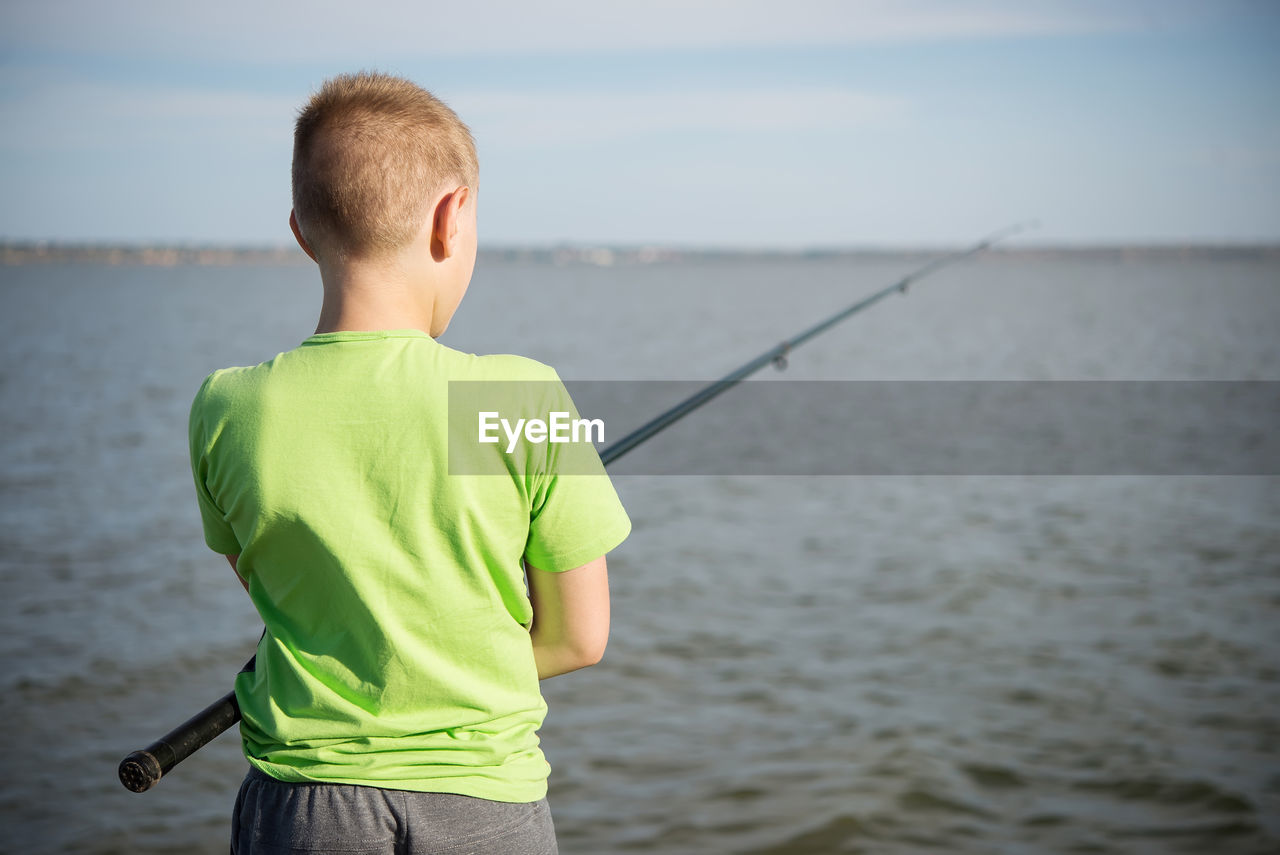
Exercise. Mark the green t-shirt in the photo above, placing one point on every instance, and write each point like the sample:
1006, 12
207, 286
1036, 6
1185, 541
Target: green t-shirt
397, 651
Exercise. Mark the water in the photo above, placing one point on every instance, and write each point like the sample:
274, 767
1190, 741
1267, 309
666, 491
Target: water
798, 665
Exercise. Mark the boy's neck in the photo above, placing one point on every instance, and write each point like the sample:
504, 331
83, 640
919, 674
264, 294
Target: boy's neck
364, 296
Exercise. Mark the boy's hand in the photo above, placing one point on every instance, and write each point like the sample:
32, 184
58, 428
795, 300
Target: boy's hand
231, 559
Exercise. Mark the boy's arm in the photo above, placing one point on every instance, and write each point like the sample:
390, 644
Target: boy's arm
231, 559
570, 617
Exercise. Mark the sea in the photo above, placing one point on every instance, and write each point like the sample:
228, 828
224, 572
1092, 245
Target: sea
927, 660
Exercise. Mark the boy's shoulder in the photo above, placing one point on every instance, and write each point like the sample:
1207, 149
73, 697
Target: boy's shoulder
442, 361
228, 381
508, 366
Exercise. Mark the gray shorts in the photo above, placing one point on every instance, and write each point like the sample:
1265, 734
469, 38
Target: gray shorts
280, 818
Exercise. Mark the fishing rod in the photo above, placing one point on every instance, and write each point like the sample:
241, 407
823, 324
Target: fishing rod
777, 355
142, 769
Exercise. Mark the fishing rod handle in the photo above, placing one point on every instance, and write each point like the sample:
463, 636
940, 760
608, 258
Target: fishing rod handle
141, 769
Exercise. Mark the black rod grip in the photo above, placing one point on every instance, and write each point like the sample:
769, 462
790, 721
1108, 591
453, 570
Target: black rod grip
141, 769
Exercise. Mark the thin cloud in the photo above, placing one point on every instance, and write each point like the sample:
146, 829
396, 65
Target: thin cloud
518, 119
291, 31
86, 115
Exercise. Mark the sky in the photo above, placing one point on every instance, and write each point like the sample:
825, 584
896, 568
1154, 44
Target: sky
721, 123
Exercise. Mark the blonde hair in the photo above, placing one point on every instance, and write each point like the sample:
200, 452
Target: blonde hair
369, 150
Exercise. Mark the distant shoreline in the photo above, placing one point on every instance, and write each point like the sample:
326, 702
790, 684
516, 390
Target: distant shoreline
15, 253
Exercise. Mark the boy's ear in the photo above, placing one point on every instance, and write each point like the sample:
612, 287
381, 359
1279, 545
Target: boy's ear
297, 234
446, 220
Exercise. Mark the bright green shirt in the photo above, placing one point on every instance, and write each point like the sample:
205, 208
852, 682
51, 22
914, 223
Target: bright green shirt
397, 651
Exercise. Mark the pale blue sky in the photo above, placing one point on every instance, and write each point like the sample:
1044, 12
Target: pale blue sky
774, 124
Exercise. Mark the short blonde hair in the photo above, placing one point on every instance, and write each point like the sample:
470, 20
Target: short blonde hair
369, 150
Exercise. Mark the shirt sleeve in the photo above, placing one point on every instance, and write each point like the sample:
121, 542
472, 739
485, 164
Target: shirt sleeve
576, 515
217, 531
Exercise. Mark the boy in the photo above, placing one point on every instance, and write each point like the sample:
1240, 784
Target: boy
394, 704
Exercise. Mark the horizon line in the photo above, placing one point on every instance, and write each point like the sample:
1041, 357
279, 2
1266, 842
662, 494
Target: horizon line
58, 244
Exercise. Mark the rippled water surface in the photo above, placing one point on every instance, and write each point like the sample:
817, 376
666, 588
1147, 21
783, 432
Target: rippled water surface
798, 664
